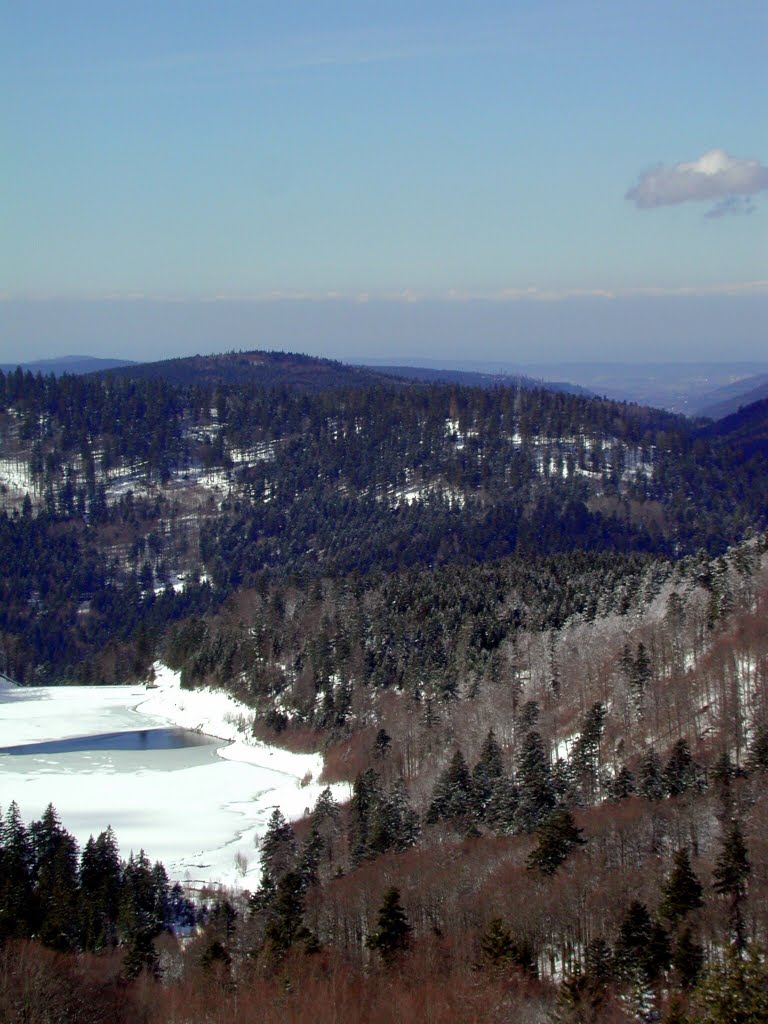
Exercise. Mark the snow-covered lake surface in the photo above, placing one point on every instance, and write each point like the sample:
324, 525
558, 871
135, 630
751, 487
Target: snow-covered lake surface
137, 759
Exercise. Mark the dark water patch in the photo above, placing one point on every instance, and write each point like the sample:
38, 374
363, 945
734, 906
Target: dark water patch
134, 739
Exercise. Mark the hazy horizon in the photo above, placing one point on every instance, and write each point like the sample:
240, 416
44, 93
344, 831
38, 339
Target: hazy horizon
364, 182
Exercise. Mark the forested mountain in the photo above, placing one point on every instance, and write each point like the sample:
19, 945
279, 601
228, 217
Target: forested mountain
262, 369
526, 628
477, 378
115, 487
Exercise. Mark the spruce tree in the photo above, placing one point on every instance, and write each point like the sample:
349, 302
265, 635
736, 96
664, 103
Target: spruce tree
56, 882
687, 959
497, 945
488, 770
650, 782
277, 846
101, 882
393, 932
681, 892
680, 773
643, 945
558, 836
502, 806
534, 782
621, 785
453, 796
16, 871
730, 876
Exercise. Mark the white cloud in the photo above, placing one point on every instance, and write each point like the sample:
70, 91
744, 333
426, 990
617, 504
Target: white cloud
714, 175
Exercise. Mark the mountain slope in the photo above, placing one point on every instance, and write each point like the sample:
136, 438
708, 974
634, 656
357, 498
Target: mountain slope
263, 369
727, 400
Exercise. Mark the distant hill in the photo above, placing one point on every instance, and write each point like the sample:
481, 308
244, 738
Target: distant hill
267, 369
310, 373
478, 379
744, 432
67, 364
729, 399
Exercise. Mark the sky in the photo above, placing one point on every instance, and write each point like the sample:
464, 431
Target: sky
529, 180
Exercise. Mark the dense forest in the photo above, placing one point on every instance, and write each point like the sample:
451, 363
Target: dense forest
527, 630
119, 485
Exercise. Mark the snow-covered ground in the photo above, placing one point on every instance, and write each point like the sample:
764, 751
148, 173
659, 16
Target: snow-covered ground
194, 811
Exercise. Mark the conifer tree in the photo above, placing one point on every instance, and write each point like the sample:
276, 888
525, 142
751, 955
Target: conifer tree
687, 959
621, 785
16, 869
453, 795
643, 945
651, 779
585, 754
101, 882
488, 770
56, 882
393, 932
681, 892
558, 837
366, 795
730, 876
534, 782
497, 945
277, 846
680, 773
502, 806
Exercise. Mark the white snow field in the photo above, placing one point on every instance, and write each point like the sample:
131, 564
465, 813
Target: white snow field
200, 809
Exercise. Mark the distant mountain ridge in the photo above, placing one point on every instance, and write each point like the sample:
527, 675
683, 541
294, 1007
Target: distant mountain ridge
67, 364
729, 399
478, 378
265, 369
312, 373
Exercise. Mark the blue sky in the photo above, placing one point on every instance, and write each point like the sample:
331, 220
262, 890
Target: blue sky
497, 176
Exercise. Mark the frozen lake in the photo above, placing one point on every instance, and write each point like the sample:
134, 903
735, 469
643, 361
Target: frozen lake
119, 756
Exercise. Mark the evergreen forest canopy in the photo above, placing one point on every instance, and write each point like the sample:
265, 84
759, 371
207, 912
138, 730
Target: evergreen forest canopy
118, 484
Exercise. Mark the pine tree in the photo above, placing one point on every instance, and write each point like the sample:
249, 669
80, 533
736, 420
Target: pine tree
502, 806
16, 870
681, 773
730, 875
101, 888
651, 780
687, 959
277, 846
534, 782
642, 945
453, 796
56, 882
621, 785
558, 837
681, 892
392, 937
366, 796
488, 770
497, 945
